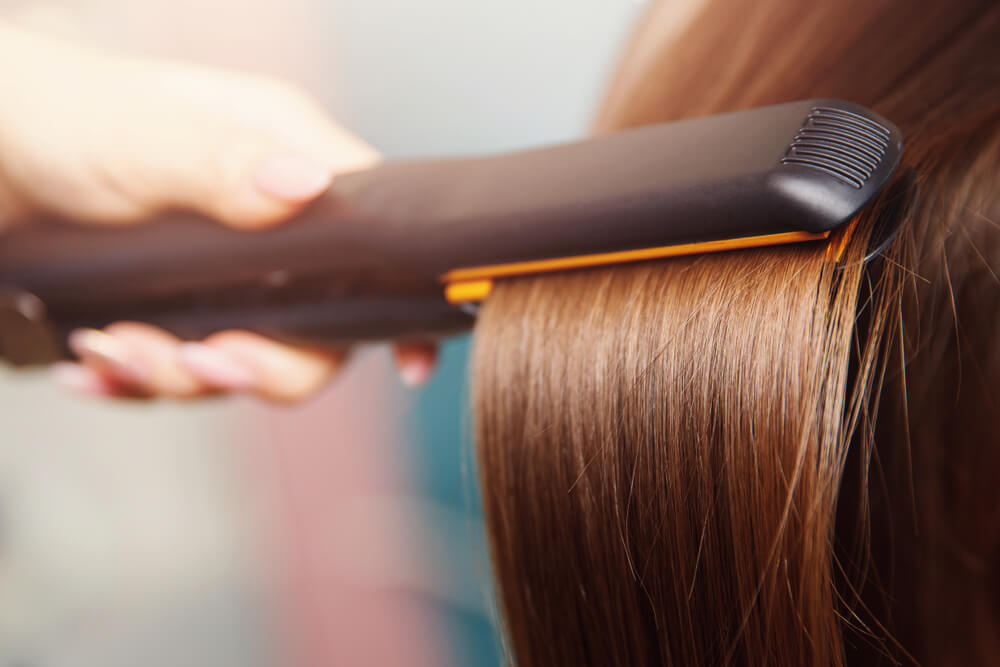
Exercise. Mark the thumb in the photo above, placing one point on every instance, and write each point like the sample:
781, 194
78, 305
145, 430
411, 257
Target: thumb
253, 188
249, 166
242, 178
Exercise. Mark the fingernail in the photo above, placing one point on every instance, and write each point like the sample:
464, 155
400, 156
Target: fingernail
108, 353
215, 367
292, 178
415, 373
78, 379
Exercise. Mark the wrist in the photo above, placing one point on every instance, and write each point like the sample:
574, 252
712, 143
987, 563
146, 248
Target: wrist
8, 44
41, 77
16, 63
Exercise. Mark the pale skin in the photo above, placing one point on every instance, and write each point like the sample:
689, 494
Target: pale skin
106, 139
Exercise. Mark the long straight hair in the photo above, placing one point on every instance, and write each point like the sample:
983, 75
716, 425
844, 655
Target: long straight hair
768, 456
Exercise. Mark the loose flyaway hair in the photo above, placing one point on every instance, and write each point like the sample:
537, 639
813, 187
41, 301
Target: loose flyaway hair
781, 456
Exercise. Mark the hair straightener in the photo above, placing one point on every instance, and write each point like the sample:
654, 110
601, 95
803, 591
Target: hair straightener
406, 249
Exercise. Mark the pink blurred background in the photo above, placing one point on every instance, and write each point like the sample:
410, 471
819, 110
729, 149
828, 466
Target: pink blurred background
341, 532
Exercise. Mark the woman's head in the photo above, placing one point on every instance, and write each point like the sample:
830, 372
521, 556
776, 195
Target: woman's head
767, 456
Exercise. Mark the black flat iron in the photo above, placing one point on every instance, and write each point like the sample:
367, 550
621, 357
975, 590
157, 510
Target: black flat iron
406, 249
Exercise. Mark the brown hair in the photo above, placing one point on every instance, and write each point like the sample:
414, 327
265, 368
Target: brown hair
767, 456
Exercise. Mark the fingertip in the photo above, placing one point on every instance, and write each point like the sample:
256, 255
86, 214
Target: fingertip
109, 356
278, 187
250, 210
292, 178
80, 380
415, 362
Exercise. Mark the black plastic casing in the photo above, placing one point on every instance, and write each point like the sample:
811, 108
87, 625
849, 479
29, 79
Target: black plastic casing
364, 262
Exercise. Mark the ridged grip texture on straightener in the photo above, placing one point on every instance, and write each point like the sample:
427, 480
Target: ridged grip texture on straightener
845, 145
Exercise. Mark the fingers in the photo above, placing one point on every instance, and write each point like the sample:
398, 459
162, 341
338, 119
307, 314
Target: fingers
281, 373
133, 360
138, 361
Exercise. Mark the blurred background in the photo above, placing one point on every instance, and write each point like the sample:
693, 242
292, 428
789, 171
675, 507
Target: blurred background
341, 532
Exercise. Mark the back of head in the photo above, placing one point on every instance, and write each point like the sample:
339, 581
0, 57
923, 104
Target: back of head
767, 456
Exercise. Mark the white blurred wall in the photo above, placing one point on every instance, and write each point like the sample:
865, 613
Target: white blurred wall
137, 522
460, 76
129, 533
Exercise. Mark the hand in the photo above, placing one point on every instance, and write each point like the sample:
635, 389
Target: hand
105, 139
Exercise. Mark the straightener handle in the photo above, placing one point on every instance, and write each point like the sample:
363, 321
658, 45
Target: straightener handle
320, 279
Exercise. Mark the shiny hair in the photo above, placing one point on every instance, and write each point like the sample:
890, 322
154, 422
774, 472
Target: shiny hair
769, 456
